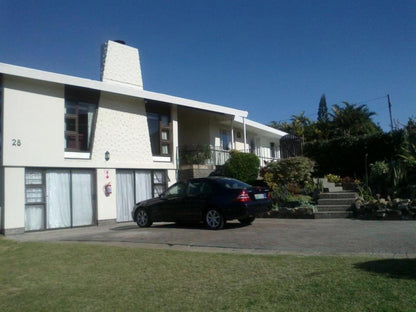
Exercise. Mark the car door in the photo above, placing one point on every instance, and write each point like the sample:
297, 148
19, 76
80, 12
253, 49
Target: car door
196, 200
170, 201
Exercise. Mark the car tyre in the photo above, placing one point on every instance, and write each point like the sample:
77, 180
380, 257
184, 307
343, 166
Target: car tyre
247, 221
143, 218
214, 219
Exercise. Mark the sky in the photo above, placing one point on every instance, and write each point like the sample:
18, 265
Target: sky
273, 59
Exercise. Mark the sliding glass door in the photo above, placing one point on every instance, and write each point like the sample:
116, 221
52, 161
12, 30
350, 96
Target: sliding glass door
137, 185
59, 198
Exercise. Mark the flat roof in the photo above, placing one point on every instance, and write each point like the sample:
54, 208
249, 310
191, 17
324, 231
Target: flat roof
250, 123
117, 88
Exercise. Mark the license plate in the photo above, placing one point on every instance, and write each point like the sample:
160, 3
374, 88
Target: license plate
260, 196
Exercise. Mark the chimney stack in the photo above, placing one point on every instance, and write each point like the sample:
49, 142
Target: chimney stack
121, 64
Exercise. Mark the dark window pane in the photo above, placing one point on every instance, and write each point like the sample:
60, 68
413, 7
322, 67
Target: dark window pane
71, 141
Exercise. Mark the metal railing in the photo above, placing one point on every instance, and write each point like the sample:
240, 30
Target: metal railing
210, 156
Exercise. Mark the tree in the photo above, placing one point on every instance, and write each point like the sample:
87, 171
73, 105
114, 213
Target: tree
323, 116
352, 120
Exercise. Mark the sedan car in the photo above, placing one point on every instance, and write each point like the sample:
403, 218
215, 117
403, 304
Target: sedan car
212, 200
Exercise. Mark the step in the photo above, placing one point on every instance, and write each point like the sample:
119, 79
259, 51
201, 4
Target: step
327, 208
331, 189
345, 194
333, 214
335, 201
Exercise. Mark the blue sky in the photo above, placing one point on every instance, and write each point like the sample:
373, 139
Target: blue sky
272, 58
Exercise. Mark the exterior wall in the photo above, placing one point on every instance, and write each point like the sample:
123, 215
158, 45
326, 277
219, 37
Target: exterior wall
13, 218
34, 126
121, 129
194, 127
106, 204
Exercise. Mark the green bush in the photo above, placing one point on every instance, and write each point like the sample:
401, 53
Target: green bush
242, 166
194, 155
293, 170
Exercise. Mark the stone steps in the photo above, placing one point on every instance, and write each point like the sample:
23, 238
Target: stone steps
334, 202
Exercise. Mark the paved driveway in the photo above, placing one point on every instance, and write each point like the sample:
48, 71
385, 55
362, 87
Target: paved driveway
264, 236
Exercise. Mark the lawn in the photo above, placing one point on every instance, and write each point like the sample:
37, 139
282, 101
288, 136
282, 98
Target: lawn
81, 277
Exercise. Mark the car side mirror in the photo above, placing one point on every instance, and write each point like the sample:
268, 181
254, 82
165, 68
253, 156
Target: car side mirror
162, 196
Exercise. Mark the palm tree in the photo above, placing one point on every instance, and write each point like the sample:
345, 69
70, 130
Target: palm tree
352, 119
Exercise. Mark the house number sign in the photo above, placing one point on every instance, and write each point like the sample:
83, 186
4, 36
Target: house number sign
16, 142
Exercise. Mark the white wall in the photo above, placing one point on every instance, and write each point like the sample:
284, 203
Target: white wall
106, 205
14, 199
122, 130
33, 123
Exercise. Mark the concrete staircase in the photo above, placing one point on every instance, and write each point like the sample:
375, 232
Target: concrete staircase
334, 202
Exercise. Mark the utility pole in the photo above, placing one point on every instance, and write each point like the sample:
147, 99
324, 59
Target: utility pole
391, 118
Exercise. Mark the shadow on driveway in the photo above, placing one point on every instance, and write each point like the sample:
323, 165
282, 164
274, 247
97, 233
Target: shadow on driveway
198, 226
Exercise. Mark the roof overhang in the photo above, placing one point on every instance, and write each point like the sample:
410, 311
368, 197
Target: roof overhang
117, 88
259, 128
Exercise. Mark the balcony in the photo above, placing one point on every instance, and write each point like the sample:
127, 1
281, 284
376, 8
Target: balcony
204, 155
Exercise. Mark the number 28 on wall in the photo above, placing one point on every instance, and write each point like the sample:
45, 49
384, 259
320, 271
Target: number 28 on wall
16, 142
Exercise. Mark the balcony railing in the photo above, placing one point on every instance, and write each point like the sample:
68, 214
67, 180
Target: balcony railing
205, 155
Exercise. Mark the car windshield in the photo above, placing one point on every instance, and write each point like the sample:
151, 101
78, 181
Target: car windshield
232, 184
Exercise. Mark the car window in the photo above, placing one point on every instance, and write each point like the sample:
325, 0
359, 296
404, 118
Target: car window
232, 184
198, 187
177, 189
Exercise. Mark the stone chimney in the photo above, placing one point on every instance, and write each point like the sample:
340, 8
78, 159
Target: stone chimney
121, 64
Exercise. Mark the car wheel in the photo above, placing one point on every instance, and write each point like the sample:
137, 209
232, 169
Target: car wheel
214, 219
247, 221
143, 218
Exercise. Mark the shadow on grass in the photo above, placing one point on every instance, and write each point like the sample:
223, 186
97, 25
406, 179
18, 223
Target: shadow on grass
394, 268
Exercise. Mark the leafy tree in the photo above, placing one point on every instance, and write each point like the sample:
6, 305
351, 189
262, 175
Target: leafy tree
352, 120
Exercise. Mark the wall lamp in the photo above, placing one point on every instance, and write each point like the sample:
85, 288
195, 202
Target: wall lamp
107, 156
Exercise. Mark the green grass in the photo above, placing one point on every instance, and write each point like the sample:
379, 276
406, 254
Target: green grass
80, 277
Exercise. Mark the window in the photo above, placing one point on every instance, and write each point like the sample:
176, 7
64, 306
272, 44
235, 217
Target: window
176, 190
57, 198
80, 105
197, 188
160, 128
225, 140
272, 150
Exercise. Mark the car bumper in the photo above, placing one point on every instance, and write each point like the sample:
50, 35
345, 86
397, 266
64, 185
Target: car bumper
243, 210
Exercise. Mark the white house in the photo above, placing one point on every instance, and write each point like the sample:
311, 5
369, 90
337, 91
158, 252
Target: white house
77, 152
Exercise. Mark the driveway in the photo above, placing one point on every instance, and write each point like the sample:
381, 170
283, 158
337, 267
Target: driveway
265, 236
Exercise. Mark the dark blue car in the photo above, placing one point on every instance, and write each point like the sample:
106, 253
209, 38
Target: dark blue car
212, 200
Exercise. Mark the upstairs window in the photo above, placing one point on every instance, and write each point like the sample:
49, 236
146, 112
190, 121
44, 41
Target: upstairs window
80, 110
160, 128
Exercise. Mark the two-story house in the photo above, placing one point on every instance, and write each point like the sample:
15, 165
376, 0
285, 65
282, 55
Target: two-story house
77, 152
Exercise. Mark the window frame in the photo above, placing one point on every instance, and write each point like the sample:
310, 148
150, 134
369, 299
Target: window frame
80, 98
43, 185
159, 111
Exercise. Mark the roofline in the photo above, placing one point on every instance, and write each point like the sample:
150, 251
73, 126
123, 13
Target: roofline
260, 126
116, 88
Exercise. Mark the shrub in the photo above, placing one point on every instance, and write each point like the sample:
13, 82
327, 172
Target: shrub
333, 178
242, 166
293, 170
194, 155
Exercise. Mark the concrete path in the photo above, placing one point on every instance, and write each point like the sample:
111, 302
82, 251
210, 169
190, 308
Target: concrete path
393, 239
